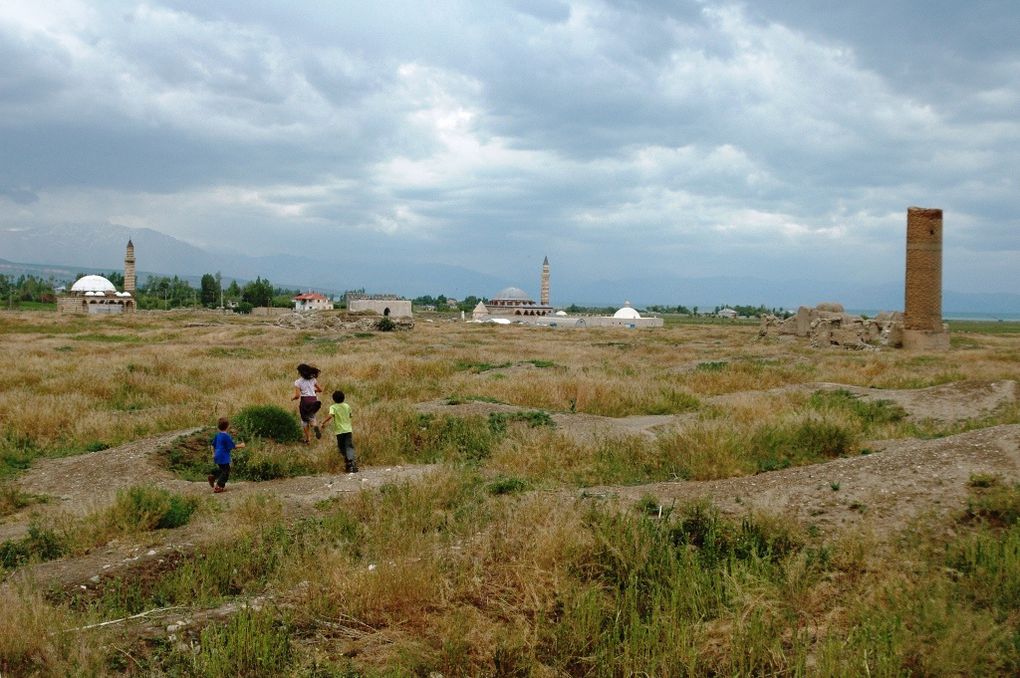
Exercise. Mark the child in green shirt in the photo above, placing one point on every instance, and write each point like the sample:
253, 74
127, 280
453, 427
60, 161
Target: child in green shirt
340, 413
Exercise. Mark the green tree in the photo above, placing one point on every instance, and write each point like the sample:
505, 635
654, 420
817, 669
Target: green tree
258, 293
233, 291
117, 278
210, 294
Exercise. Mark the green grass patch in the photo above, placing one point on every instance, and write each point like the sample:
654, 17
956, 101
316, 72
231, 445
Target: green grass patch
143, 508
500, 421
712, 366
478, 367
869, 413
775, 447
507, 485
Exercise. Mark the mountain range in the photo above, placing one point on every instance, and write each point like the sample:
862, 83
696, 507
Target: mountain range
63, 251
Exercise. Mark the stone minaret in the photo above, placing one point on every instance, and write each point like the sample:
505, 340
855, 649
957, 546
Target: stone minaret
544, 299
922, 310
129, 269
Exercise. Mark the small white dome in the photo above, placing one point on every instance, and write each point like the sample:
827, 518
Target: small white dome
93, 283
560, 313
627, 312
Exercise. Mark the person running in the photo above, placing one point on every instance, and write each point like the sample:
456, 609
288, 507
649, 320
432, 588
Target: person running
223, 444
340, 413
306, 392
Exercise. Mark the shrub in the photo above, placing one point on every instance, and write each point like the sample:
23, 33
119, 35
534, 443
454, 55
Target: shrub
150, 508
252, 643
386, 324
268, 421
42, 543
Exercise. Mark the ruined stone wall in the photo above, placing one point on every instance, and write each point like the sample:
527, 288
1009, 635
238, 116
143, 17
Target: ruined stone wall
923, 303
399, 308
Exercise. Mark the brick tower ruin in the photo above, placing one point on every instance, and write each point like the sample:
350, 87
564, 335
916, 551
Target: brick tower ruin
544, 297
922, 310
129, 269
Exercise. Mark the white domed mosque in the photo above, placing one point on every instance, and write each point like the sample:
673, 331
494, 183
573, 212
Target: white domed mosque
95, 295
515, 304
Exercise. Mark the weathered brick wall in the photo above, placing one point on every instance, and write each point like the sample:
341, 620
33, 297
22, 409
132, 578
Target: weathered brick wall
923, 303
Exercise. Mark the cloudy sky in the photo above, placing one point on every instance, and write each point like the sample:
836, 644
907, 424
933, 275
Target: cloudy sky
775, 138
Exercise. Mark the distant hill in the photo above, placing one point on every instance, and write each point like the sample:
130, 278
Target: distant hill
62, 251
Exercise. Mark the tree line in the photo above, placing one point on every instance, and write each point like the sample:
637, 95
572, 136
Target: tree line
157, 292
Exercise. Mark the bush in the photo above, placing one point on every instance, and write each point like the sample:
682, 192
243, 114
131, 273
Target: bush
150, 508
268, 421
386, 324
252, 643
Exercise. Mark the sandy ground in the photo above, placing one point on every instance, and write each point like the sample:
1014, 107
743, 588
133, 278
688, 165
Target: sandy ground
884, 490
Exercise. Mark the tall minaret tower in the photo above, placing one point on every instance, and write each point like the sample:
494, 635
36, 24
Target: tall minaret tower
129, 269
545, 283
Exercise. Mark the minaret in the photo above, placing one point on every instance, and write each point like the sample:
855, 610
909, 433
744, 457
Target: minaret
544, 299
129, 269
922, 309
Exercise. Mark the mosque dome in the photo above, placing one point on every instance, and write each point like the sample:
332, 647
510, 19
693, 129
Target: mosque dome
627, 312
93, 283
512, 294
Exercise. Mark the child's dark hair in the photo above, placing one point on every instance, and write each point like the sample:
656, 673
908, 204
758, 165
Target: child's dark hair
338, 396
307, 371
222, 424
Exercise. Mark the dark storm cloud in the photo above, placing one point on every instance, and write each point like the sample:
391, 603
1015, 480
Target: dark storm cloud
726, 134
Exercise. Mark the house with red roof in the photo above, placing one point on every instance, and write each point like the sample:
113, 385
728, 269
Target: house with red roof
311, 301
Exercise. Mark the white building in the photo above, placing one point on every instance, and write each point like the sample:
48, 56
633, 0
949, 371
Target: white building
311, 301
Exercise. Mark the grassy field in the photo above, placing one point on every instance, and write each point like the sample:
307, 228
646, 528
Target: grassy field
489, 566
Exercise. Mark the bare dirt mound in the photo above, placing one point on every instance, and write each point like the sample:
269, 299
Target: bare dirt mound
884, 490
950, 403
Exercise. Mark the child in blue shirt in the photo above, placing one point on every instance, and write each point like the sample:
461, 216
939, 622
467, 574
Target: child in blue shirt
222, 445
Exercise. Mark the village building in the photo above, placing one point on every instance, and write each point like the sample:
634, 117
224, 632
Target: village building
96, 295
726, 313
311, 301
381, 304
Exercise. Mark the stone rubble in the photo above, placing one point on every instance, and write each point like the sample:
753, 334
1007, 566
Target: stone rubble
828, 324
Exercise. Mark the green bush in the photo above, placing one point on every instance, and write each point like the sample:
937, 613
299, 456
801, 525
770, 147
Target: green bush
42, 543
150, 508
268, 421
252, 643
386, 324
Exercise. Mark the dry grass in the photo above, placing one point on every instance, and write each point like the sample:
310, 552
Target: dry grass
465, 573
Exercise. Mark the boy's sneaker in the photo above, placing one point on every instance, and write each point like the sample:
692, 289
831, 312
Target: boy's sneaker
318, 432
212, 480
218, 489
